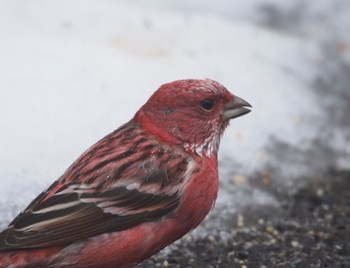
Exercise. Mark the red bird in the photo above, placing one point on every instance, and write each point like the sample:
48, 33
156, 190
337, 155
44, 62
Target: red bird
135, 191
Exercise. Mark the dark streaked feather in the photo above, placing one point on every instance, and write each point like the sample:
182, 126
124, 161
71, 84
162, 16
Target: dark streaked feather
102, 192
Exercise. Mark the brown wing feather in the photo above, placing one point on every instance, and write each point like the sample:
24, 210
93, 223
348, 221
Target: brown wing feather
93, 198
51, 223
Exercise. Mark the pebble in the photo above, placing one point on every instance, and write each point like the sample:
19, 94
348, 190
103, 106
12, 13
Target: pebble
239, 179
273, 241
272, 230
320, 192
265, 178
240, 220
188, 238
211, 238
261, 221
294, 243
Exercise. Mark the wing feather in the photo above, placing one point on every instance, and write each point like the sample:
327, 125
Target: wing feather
87, 215
85, 202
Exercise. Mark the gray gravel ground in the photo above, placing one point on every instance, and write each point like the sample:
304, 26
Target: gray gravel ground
311, 228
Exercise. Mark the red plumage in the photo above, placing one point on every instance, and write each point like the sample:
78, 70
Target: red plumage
135, 191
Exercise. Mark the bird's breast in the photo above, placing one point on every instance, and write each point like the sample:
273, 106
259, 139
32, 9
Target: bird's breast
200, 192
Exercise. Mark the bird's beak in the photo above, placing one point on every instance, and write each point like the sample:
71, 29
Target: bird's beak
236, 108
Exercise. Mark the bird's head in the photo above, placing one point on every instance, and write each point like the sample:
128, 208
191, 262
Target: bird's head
191, 113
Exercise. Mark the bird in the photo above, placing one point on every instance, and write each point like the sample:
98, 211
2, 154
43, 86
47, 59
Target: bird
134, 192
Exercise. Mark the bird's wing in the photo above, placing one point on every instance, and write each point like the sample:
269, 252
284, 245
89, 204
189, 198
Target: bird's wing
67, 212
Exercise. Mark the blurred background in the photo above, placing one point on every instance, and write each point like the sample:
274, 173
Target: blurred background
73, 71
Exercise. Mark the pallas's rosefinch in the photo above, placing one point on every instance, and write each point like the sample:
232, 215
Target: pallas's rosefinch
135, 191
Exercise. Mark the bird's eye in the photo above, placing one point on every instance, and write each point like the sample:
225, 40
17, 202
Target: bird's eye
207, 104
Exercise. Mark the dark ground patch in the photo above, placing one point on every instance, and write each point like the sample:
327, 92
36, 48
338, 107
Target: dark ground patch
310, 229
